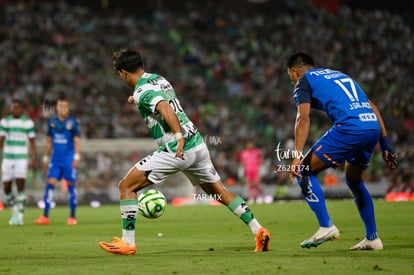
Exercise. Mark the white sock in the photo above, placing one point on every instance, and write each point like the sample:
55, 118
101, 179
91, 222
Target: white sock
128, 236
129, 210
254, 226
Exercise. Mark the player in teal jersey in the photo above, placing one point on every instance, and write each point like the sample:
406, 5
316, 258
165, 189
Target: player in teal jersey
357, 126
181, 148
17, 134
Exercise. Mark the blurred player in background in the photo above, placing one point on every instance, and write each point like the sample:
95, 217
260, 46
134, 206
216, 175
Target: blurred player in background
17, 134
181, 148
357, 128
251, 158
62, 155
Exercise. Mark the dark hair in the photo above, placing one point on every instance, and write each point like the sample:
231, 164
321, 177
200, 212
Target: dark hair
300, 59
62, 97
127, 59
19, 102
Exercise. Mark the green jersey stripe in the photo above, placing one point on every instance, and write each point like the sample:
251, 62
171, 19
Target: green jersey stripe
14, 156
18, 130
149, 91
16, 142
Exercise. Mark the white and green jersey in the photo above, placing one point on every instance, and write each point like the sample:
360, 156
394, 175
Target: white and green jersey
16, 133
149, 91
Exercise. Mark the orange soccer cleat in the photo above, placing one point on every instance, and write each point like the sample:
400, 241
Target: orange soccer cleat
72, 221
262, 240
42, 220
118, 246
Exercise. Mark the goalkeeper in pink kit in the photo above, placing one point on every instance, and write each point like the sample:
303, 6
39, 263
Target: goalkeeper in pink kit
251, 159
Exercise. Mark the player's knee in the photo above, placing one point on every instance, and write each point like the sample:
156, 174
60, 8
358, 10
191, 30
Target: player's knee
122, 185
352, 182
126, 185
52, 181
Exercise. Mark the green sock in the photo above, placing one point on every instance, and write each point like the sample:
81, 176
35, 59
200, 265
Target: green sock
10, 199
21, 201
239, 207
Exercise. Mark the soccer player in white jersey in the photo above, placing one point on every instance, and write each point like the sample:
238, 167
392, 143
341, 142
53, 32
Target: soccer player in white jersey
181, 148
17, 133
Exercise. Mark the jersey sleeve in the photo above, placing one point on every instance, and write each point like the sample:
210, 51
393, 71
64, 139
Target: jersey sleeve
2, 128
149, 99
31, 129
49, 128
303, 90
76, 129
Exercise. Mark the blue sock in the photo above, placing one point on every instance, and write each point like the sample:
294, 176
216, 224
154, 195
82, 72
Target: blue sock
313, 194
72, 199
48, 198
365, 207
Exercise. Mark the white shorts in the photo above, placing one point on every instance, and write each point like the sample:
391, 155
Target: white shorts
197, 166
14, 169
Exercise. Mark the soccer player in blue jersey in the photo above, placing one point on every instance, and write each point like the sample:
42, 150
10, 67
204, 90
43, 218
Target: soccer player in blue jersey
62, 149
357, 128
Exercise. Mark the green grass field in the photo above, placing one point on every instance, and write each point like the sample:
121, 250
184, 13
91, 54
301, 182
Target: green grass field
208, 240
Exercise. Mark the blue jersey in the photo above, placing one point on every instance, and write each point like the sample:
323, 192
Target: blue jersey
337, 94
62, 134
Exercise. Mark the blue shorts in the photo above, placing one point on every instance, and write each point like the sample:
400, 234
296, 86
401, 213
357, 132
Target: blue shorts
65, 171
337, 146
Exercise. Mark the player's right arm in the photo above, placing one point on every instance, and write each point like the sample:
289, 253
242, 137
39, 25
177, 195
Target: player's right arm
33, 152
302, 126
1, 144
302, 95
2, 135
388, 153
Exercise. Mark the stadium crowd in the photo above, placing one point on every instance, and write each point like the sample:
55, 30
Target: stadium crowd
228, 67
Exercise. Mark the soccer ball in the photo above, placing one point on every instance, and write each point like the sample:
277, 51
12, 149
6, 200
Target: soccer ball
152, 204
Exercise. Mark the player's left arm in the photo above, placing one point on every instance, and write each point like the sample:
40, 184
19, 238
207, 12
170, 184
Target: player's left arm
77, 144
388, 154
76, 157
48, 153
32, 144
131, 100
169, 115
33, 152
